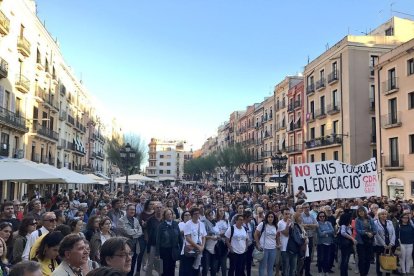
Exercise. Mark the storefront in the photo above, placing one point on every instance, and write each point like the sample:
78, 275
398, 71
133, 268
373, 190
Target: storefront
395, 188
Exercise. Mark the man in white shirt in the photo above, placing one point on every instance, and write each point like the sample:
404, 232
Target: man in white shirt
283, 227
49, 224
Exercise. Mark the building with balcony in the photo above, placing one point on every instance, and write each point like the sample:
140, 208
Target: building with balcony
394, 107
44, 108
166, 160
295, 147
269, 137
340, 87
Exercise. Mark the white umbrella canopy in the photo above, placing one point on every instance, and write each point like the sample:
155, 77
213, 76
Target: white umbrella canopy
70, 177
135, 177
98, 179
23, 170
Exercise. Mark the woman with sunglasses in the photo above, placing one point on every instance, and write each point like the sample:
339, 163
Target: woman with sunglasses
325, 240
27, 226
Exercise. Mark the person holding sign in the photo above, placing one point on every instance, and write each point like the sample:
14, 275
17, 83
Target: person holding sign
300, 194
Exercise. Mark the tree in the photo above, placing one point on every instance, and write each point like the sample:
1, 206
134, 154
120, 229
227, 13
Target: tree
243, 160
113, 148
227, 162
193, 168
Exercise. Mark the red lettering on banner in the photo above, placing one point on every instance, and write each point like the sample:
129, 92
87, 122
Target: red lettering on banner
302, 170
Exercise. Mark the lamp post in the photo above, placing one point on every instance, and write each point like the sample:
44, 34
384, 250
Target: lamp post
279, 162
127, 154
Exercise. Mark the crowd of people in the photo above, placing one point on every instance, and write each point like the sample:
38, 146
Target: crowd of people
202, 230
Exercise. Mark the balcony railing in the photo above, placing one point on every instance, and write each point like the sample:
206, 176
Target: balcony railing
390, 86
46, 132
298, 104
391, 120
320, 113
61, 144
4, 68
22, 83
333, 108
4, 24
323, 141
394, 162
23, 46
294, 148
13, 120
320, 84
333, 77
310, 88
291, 107
310, 117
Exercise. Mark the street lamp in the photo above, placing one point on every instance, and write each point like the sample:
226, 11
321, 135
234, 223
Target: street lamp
279, 162
127, 154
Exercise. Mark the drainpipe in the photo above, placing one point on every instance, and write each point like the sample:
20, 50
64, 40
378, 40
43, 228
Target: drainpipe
342, 105
378, 123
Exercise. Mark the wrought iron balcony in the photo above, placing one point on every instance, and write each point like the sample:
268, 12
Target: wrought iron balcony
320, 113
333, 108
320, 84
23, 46
310, 117
100, 155
12, 120
390, 86
310, 89
22, 83
394, 162
4, 69
46, 132
323, 141
291, 107
333, 77
294, 148
4, 24
391, 120
371, 104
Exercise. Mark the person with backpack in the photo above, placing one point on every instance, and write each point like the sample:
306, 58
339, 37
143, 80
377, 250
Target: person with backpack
236, 240
265, 237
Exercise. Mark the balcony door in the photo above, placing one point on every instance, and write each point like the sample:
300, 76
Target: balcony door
334, 99
392, 79
322, 105
394, 160
392, 108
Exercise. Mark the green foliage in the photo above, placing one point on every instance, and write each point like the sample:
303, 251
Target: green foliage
113, 149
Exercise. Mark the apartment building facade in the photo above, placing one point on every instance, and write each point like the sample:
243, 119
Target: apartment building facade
268, 136
340, 123
394, 98
45, 112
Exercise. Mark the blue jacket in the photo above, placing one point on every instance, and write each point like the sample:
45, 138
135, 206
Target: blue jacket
360, 230
380, 236
325, 233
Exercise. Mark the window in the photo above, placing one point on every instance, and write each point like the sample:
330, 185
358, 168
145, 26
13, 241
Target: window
389, 31
322, 75
373, 60
312, 133
161, 156
161, 171
334, 69
323, 156
312, 158
335, 99
322, 105
412, 187
161, 163
394, 161
392, 111
410, 67
335, 127
336, 155
168, 163
323, 130
312, 109
18, 106
168, 172
411, 100
411, 141
392, 79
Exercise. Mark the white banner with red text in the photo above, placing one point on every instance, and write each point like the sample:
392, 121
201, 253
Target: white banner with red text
333, 179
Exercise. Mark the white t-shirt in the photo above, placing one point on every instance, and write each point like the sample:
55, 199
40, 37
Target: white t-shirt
238, 241
193, 229
181, 226
222, 225
268, 237
281, 225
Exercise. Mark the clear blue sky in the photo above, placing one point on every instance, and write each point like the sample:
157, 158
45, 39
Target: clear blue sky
178, 68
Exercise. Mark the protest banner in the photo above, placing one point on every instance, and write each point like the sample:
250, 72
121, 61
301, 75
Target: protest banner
333, 179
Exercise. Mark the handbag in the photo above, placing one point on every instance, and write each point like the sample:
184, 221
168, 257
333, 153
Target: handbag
388, 262
258, 254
